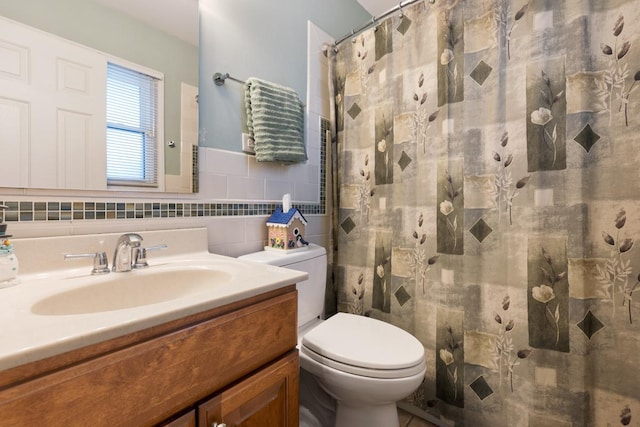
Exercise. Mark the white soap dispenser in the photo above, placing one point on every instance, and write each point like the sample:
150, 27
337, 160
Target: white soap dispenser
8, 259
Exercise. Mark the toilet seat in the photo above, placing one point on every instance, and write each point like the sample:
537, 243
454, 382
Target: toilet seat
363, 372
364, 346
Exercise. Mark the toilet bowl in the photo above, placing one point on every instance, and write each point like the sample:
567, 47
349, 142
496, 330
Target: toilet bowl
365, 364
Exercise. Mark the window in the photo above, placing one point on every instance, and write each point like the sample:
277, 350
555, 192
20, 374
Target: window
133, 104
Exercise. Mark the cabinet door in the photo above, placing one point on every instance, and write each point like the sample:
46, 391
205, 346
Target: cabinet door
268, 398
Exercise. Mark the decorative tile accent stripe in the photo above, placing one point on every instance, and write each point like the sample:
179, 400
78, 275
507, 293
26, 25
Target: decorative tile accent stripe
67, 211
325, 126
93, 210
195, 180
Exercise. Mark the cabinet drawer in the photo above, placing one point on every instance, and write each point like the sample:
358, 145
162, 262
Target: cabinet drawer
148, 382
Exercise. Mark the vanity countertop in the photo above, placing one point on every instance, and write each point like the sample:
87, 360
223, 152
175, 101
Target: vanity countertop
28, 336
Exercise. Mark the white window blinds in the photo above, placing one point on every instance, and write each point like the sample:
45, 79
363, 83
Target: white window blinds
132, 122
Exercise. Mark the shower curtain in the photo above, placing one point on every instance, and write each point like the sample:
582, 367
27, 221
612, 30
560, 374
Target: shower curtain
487, 157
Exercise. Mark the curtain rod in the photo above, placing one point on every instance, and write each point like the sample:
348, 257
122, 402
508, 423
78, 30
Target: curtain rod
375, 19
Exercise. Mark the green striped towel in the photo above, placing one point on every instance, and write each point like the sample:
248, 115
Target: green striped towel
275, 120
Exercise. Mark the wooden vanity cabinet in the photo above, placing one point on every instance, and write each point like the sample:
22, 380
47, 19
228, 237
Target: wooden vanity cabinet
235, 364
261, 400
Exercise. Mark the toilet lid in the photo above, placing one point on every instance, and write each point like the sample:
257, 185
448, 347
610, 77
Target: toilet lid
364, 342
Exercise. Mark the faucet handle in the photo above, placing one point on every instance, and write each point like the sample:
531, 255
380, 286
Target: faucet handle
100, 261
140, 255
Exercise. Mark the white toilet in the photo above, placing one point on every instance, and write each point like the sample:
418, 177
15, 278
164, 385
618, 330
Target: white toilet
365, 364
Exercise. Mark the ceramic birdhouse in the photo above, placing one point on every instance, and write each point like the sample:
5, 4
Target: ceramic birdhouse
286, 228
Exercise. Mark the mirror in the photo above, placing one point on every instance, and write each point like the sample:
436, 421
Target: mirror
161, 35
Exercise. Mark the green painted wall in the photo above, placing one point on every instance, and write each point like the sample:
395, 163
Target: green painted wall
104, 29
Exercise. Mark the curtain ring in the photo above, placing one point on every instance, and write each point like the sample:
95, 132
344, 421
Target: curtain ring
401, 13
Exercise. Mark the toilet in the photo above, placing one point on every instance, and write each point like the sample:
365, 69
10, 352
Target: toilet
363, 364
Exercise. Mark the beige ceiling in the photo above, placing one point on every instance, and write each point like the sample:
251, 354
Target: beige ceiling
378, 7
180, 17
176, 17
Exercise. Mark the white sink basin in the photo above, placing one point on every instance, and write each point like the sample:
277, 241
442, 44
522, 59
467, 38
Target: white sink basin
119, 291
59, 307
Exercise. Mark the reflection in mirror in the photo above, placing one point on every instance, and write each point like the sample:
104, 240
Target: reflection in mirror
159, 35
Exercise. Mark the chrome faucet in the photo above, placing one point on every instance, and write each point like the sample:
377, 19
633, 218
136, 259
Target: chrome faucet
123, 255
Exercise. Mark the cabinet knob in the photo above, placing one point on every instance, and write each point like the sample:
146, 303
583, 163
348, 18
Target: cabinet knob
215, 424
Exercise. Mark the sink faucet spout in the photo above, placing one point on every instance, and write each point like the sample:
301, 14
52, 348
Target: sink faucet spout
122, 257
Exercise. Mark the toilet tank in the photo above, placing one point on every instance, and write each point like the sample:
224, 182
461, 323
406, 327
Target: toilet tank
312, 260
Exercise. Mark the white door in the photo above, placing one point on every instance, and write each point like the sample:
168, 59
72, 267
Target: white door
52, 111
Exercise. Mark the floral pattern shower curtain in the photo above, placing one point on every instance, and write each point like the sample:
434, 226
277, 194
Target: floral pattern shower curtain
489, 203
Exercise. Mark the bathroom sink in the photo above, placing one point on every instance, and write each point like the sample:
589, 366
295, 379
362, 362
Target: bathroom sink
59, 306
119, 291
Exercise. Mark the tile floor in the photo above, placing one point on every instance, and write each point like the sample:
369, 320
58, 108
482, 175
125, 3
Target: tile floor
408, 420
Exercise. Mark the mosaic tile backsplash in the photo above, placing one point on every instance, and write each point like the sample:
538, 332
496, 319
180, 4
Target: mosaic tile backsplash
67, 211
